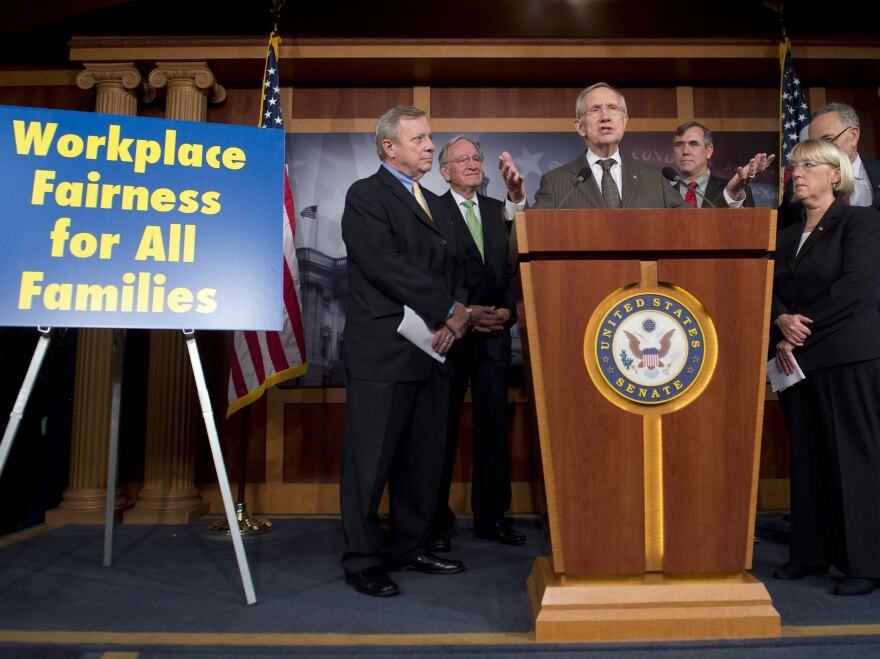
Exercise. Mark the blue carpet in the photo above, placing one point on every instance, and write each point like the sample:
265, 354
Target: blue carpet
181, 580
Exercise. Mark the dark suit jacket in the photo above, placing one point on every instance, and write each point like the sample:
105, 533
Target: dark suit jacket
396, 256
489, 283
643, 187
715, 191
792, 211
831, 281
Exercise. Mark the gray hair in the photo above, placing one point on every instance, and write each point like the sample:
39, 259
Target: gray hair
578, 110
847, 113
388, 126
458, 138
829, 153
707, 134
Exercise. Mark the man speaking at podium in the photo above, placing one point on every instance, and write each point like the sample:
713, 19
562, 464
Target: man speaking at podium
602, 177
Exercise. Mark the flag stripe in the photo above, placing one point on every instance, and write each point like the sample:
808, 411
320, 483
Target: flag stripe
794, 113
263, 359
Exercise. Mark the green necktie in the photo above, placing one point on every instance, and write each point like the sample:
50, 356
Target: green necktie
474, 225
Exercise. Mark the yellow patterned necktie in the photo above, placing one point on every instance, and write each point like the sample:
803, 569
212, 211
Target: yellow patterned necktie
417, 191
474, 224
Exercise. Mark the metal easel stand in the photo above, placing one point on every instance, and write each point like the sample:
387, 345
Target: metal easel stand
220, 467
24, 394
207, 413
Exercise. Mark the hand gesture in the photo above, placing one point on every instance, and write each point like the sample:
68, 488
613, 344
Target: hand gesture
516, 187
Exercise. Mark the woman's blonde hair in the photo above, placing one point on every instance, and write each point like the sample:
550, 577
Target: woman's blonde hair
820, 151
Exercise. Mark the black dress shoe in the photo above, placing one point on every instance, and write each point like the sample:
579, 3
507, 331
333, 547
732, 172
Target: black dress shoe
372, 581
854, 586
502, 532
792, 571
439, 543
430, 564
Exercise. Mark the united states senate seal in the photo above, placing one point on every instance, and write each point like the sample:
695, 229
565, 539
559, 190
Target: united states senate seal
650, 347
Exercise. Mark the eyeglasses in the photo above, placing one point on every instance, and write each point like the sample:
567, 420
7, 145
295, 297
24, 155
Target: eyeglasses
463, 160
834, 139
613, 110
808, 165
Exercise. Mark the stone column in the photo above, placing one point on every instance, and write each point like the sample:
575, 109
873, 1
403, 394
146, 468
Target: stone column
118, 87
169, 494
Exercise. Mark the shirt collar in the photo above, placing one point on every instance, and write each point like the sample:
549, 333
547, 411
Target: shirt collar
858, 168
400, 176
458, 198
592, 158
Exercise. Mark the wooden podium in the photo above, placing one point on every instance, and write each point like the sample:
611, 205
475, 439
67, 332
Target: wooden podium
645, 332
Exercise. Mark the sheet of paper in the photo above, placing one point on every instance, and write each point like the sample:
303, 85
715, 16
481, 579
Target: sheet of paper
414, 328
779, 380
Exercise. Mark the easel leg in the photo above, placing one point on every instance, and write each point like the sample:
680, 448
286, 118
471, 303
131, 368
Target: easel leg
220, 467
113, 452
23, 394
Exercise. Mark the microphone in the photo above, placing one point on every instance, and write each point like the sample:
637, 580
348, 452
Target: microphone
582, 176
671, 175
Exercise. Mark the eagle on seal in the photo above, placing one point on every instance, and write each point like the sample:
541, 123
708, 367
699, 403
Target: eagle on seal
635, 345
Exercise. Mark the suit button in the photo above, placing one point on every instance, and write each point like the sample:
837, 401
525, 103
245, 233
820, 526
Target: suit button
443, 242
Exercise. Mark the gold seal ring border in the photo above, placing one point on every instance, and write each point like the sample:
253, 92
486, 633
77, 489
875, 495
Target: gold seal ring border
710, 351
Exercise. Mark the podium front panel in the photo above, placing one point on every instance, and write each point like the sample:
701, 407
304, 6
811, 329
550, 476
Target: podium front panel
597, 458
710, 447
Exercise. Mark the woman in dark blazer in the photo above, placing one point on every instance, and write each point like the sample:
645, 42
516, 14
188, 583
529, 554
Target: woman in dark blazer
824, 317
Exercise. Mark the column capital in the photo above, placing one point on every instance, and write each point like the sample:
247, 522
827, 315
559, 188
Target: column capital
197, 74
122, 75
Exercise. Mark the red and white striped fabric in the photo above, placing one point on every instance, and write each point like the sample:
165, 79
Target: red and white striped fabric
263, 359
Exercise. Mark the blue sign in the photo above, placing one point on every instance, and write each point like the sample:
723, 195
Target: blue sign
115, 221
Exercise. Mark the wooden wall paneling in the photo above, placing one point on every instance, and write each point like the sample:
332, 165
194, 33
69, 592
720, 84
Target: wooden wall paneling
312, 442
57, 97
773, 493
648, 102
241, 107
347, 102
736, 103
503, 102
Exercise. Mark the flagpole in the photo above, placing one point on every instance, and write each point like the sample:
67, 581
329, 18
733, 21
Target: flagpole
247, 524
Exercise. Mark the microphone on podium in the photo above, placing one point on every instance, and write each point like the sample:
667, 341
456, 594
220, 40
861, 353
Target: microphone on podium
582, 176
671, 175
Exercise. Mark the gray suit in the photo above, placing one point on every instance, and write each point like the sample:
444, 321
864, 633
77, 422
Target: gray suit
643, 187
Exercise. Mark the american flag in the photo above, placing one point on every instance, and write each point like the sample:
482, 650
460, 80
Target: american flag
263, 359
794, 112
310, 212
